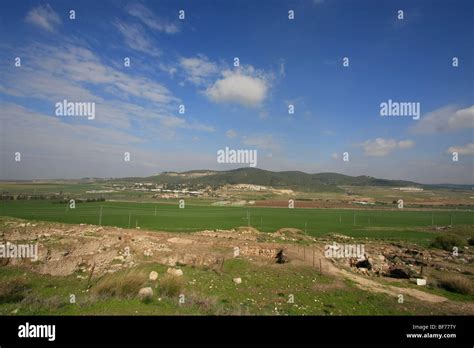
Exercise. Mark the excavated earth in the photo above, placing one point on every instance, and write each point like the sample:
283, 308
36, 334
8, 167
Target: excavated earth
92, 251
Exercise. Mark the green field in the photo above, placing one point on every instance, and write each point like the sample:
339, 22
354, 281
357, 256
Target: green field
393, 224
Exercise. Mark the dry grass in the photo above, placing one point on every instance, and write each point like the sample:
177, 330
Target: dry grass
124, 286
207, 304
456, 283
170, 286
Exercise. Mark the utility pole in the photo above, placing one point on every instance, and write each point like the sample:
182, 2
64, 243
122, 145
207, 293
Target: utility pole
129, 218
155, 210
354, 218
305, 224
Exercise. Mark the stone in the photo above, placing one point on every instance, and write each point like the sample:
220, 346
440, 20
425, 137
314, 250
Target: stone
174, 271
145, 294
237, 280
153, 275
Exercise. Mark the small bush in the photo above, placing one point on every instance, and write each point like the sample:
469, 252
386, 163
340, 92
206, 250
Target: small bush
170, 286
207, 304
456, 283
35, 303
470, 241
13, 290
125, 286
447, 242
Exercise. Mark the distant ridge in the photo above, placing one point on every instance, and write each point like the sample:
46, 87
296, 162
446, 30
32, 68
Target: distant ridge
296, 180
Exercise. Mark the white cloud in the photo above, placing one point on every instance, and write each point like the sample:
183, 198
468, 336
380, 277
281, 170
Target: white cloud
445, 119
382, 147
198, 69
243, 86
406, 144
231, 133
467, 149
150, 20
43, 17
170, 69
136, 38
51, 148
68, 71
76, 74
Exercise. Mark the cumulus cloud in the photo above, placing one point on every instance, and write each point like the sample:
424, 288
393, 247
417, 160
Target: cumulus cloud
43, 17
467, 149
445, 119
136, 38
382, 147
147, 17
243, 86
198, 69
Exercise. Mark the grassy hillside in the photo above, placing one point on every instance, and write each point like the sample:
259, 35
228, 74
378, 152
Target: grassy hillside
296, 180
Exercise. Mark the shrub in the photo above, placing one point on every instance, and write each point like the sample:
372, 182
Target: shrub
124, 286
470, 241
13, 290
35, 303
170, 286
207, 304
447, 242
456, 283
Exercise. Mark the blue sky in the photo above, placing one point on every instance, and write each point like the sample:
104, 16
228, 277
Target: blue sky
282, 62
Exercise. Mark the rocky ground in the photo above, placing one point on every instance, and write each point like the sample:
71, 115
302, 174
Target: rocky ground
91, 251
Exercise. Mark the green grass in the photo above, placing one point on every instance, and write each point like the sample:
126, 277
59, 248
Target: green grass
386, 224
265, 290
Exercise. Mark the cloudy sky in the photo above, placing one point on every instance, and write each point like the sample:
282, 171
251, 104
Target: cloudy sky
190, 62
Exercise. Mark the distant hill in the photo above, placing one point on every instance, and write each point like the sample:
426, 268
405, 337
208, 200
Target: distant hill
296, 180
